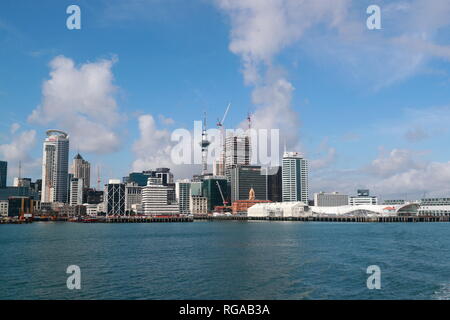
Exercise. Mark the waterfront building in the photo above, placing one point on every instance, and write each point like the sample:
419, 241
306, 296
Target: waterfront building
92, 196
21, 206
182, 193
244, 178
55, 167
367, 210
133, 195
333, 199
214, 188
291, 209
3, 173
363, 198
198, 205
114, 197
242, 206
82, 169
295, 177
237, 152
159, 199
434, 207
72, 211
4, 208
76, 191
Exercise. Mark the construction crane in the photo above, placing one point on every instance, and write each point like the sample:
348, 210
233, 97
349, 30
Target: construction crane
221, 194
221, 127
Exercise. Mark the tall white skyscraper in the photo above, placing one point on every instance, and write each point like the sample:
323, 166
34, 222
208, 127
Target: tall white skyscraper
295, 177
82, 169
55, 167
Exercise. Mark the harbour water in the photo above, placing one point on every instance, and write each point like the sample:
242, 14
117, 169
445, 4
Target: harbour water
225, 260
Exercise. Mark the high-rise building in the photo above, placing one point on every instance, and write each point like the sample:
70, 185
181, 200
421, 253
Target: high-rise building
244, 178
76, 191
3, 173
141, 178
133, 195
55, 165
82, 169
214, 188
158, 199
237, 152
114, 197
182, 193
274, 184
295, 177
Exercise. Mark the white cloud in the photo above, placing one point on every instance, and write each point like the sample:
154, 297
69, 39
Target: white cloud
81, 100
18, 150
432, 179
260, 30
14, 127
153, 147
153, 150
395, 162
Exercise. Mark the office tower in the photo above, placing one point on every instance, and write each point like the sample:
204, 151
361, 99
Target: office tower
115, 197
55, 167
215, 190
274, 183
141, 178
295, 177
334, 199
237, 152
82, 169
133, 195
182, 193
3, 173
244, 178
158, 199
76, 191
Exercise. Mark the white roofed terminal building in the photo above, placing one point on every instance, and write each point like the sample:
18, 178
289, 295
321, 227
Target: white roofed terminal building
300, 209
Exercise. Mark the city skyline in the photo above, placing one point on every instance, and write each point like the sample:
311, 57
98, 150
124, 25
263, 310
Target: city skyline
376, 119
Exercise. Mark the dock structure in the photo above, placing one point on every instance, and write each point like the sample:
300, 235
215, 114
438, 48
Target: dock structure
330, 219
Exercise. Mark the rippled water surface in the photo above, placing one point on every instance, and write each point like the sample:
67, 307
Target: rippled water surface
225, 260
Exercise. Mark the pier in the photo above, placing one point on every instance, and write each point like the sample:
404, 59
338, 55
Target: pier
329, 219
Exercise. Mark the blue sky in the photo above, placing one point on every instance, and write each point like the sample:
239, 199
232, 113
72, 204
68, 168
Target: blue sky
369, 108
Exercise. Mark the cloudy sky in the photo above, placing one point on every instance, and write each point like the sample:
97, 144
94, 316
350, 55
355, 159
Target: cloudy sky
369, 108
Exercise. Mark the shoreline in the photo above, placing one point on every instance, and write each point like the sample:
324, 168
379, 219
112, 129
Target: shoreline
396, 219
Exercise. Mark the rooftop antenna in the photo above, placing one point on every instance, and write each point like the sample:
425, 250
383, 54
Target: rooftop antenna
20, 170
249, 120
98, 177
204, 144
